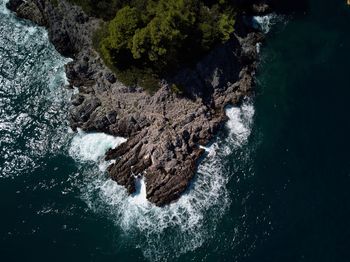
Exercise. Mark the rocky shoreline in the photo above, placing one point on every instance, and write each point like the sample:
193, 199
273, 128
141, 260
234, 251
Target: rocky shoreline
164, 131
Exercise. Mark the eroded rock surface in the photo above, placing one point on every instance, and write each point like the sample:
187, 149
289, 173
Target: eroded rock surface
164, 130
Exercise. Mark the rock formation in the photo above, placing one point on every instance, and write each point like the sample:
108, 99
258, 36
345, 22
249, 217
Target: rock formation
163, 130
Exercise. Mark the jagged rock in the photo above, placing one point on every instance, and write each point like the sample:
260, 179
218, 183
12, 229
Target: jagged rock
163, 131
111, 78
82, 112
77, 99
112, 116
249, 53
27, 10
14, 4
81, 18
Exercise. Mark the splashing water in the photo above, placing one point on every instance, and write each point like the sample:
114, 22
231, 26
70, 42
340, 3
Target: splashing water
175, 229
240, 123
92, 146
265, 23
139, 198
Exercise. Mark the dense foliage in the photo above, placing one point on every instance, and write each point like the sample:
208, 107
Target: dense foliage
159, 34
162, 33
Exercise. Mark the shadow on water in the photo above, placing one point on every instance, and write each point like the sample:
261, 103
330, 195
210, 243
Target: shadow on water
291, 7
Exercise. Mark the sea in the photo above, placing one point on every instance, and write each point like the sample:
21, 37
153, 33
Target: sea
274, 184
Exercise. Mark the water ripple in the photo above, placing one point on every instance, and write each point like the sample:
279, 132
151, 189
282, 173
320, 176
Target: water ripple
31, 95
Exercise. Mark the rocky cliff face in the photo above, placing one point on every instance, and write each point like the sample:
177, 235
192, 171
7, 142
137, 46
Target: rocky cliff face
164, 130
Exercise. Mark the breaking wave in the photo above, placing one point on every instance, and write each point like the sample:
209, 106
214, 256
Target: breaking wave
265, 23
240, 123
162, 233
92, 146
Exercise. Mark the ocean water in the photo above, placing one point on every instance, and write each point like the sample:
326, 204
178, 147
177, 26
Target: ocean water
273, 186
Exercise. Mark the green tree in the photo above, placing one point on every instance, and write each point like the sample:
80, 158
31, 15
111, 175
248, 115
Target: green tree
120, 33
171, 21
163, 34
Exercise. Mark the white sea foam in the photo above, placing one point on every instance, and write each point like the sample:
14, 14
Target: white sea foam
240, 123
258, 47
265, 22
139, 197
3, 9
185, 225
92, 146
210, 150
170, 230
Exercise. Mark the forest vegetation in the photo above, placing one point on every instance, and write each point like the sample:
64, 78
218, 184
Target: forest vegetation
142, 40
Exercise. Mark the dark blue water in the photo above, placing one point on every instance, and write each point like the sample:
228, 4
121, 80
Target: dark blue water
274, 186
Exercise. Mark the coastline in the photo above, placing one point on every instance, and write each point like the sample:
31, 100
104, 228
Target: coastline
164, 131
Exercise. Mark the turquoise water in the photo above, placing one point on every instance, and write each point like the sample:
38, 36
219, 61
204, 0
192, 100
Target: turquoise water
273, 187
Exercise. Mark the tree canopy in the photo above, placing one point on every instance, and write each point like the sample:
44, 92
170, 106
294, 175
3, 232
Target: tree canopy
160, 34
165, 32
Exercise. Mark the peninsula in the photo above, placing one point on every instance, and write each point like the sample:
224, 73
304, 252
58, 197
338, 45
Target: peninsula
159, 73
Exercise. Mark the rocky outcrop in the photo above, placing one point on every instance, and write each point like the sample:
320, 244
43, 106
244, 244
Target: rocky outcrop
27, 10
164, 130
